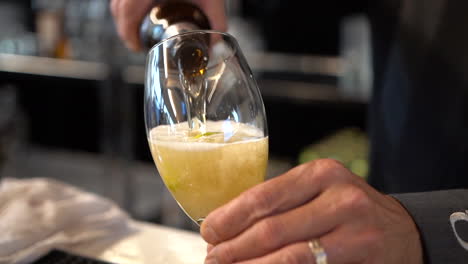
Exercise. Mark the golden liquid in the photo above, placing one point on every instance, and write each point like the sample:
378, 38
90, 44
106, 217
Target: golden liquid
192, 64
204, 172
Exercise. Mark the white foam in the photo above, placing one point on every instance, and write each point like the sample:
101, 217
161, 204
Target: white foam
168, 132
198, 146
176, 136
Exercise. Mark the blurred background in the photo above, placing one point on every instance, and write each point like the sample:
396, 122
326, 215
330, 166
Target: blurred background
71, 95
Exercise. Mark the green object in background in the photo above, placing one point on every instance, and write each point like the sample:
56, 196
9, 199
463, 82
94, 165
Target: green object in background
350, 146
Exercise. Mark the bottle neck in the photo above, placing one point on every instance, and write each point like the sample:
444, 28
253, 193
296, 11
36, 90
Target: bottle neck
151, 34
169, 19
179, 28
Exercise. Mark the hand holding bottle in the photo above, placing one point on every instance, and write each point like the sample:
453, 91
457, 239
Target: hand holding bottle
129, 14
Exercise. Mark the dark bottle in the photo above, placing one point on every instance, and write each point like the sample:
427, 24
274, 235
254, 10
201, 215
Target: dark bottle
171, 18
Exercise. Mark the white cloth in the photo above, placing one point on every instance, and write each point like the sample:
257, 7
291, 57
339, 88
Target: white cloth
39, 214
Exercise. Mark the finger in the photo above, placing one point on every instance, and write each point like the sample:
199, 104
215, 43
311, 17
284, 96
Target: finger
298, 253
282, 193
340, 246
209, 247
352, 243
215, 12
334, 207
129, 15
113, 7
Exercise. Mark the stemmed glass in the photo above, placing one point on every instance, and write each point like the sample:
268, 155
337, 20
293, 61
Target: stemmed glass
205, 120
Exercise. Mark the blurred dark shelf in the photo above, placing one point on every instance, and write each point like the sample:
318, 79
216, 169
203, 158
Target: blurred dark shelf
50, 67
301, 78
61, 100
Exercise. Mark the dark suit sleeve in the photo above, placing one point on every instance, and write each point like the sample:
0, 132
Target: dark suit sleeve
431, 212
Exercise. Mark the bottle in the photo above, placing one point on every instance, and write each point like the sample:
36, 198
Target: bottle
171, 18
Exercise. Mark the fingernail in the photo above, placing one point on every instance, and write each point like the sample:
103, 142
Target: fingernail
211, 257
211, 261
209, 234
209, 247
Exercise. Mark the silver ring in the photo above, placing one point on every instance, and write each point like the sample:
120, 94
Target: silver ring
318, 252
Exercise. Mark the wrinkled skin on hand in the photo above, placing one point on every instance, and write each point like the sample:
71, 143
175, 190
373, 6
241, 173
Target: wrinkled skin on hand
273, 221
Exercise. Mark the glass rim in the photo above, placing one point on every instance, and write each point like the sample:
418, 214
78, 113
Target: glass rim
191, 32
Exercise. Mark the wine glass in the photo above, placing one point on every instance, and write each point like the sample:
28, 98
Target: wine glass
205, 120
